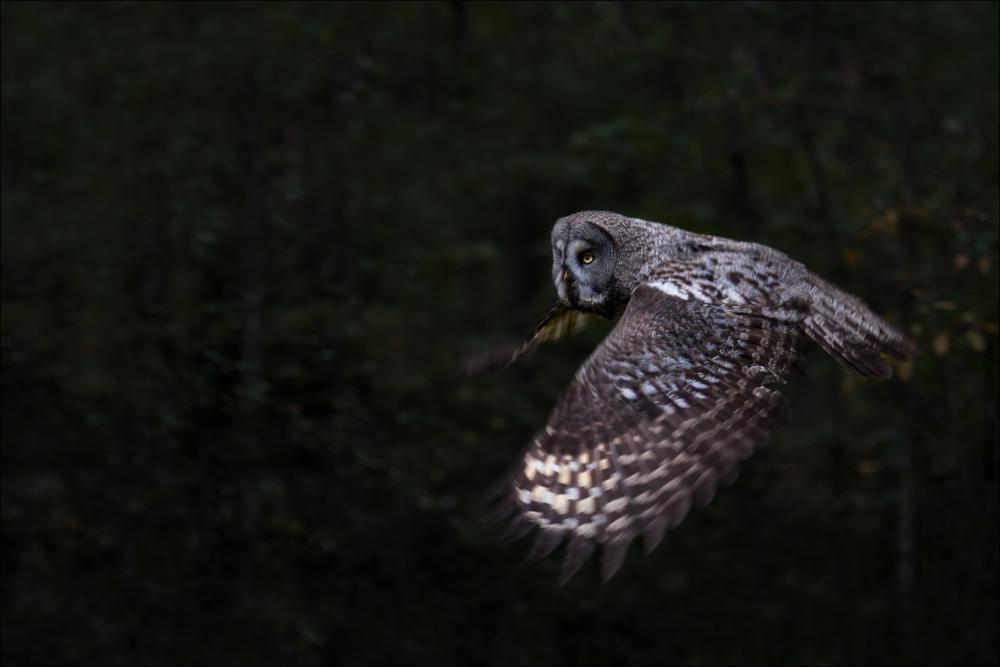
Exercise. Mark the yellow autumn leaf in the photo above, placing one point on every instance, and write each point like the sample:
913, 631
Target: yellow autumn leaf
868, 467
940, 344
904, 369
975, 341
891, 220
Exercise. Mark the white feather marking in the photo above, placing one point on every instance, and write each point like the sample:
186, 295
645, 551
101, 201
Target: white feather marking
616, 505
696, 293
670, 486
628, 393
659, 472
670, 288
620, 524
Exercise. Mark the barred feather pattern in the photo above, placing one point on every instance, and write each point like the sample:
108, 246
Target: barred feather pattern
735, 273
681, 391
850, 332
654, 422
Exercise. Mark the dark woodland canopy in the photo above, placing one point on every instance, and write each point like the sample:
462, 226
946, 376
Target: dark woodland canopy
245, 248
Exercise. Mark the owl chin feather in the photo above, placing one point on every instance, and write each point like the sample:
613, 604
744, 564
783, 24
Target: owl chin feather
574, 299
602, 304
572, 295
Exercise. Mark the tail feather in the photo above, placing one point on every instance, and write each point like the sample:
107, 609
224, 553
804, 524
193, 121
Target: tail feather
850, 332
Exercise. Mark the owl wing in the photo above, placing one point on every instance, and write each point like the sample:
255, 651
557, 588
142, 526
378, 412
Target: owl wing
559, 322
660, 414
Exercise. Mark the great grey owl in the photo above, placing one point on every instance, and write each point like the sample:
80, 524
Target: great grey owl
679, 393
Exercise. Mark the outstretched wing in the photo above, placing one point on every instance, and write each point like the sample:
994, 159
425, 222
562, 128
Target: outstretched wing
659, 415
559, 322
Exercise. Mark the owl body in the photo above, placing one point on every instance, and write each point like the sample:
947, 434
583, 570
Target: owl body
682, 389
722, 271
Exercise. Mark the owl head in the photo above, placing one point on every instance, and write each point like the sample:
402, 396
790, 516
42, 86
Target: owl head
584, 262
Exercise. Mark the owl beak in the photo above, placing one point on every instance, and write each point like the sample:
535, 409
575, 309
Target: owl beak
565, 277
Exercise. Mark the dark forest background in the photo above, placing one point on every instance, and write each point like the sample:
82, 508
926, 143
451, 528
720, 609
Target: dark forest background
245, 248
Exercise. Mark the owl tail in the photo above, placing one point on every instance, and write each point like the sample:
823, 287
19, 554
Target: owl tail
850, 332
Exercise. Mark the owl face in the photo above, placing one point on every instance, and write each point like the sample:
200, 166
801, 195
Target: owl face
583, 263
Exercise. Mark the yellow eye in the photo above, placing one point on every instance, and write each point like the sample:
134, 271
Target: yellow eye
587, 258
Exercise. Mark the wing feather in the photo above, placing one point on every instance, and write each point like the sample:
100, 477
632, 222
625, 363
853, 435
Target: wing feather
658, 418
560, 321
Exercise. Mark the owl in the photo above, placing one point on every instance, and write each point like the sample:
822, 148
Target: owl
681, 390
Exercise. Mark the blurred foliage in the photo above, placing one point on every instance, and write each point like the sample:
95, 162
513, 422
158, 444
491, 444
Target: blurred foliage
244, 247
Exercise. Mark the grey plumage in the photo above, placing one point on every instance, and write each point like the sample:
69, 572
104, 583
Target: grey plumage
680, 392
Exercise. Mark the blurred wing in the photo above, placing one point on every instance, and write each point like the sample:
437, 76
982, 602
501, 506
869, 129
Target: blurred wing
560, 321
659, 415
